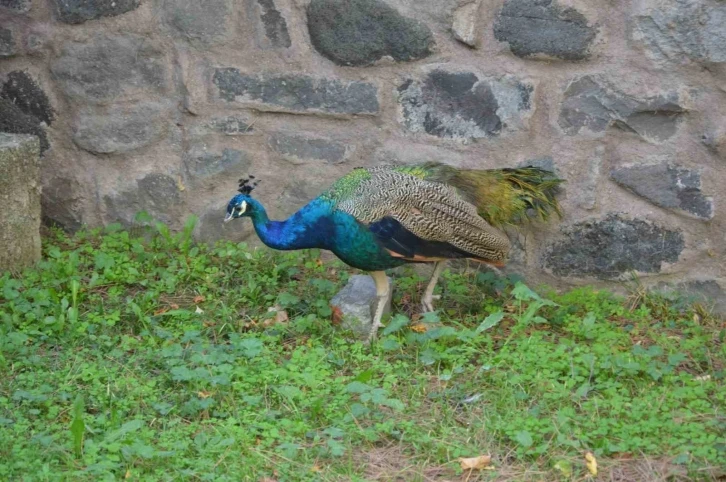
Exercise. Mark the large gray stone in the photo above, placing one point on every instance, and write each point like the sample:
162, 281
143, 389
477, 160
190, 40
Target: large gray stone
273, 24
356, 303
202, 23
8, 46
61, 204
609, 247
593, 104
157, 194
120, 129
21, 6
296, 93
461, 105
360, 32
20, 199
79, 11
299, 148
683, 30
543, 28
108, 66
668, 186
14, 121
202, 164
26, 94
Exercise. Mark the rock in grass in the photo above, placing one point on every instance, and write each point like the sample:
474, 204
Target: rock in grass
356, 303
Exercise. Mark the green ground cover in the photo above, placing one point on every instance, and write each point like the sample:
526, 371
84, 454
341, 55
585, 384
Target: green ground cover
154, 358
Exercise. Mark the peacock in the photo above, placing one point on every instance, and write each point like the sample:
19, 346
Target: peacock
377, 218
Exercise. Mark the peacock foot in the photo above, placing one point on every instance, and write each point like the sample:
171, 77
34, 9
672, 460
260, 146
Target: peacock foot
427, 303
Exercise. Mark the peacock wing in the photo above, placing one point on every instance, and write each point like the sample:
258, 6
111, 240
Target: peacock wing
411, 217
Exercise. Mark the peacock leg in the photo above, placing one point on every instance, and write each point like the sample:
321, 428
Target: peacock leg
382, 292
427, 302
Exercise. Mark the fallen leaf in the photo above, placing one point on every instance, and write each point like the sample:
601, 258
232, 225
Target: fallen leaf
128, 474
337, 315
208, 323
174, 306
475, 463
198, 299
315, 468
199, 311
160, 311
280, 315
204, 394
591, 463
319, 262
419, 328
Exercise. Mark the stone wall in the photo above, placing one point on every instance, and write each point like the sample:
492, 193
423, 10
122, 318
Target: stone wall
162, 105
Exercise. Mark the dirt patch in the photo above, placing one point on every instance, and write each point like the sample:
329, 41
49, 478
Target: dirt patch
643, 470
392, 463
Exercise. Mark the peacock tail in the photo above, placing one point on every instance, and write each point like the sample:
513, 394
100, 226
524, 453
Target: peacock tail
502, 196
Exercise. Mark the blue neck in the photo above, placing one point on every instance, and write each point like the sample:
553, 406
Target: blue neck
310, 227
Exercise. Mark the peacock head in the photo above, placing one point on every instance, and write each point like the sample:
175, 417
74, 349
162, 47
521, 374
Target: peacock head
241, 205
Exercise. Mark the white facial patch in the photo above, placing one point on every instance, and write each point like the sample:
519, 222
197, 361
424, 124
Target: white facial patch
243, 207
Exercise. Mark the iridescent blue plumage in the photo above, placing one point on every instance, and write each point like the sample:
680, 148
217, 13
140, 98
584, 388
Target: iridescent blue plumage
317, 225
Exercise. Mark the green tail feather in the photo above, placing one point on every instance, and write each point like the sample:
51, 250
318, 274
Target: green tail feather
502, 196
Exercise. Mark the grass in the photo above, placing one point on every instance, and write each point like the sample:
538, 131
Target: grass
148, 357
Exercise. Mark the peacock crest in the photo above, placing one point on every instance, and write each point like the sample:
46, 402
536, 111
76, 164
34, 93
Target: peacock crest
246, 185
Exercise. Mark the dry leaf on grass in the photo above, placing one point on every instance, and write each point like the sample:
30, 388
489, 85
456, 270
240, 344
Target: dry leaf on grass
199, 311
204, 394
419, 328
476, 463
591, 463
280, 315
198, 299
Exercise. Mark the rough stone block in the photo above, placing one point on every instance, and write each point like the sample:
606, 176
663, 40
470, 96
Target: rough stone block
668, 186
360, 32
211, 226
708, 292
609, 247
8, 46
465, 25
79, 11
202, 23
715, 140
542, 28
20, 198
108, 66
231, 125
21, 6
299, 149
157, 194
26, 94
356, 304
273, 24
461, 105
120, 129
14, 121
296, 93
61, 204
202, 164
593, 104
683, 30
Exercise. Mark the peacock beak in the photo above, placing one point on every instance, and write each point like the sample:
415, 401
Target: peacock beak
228, 217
